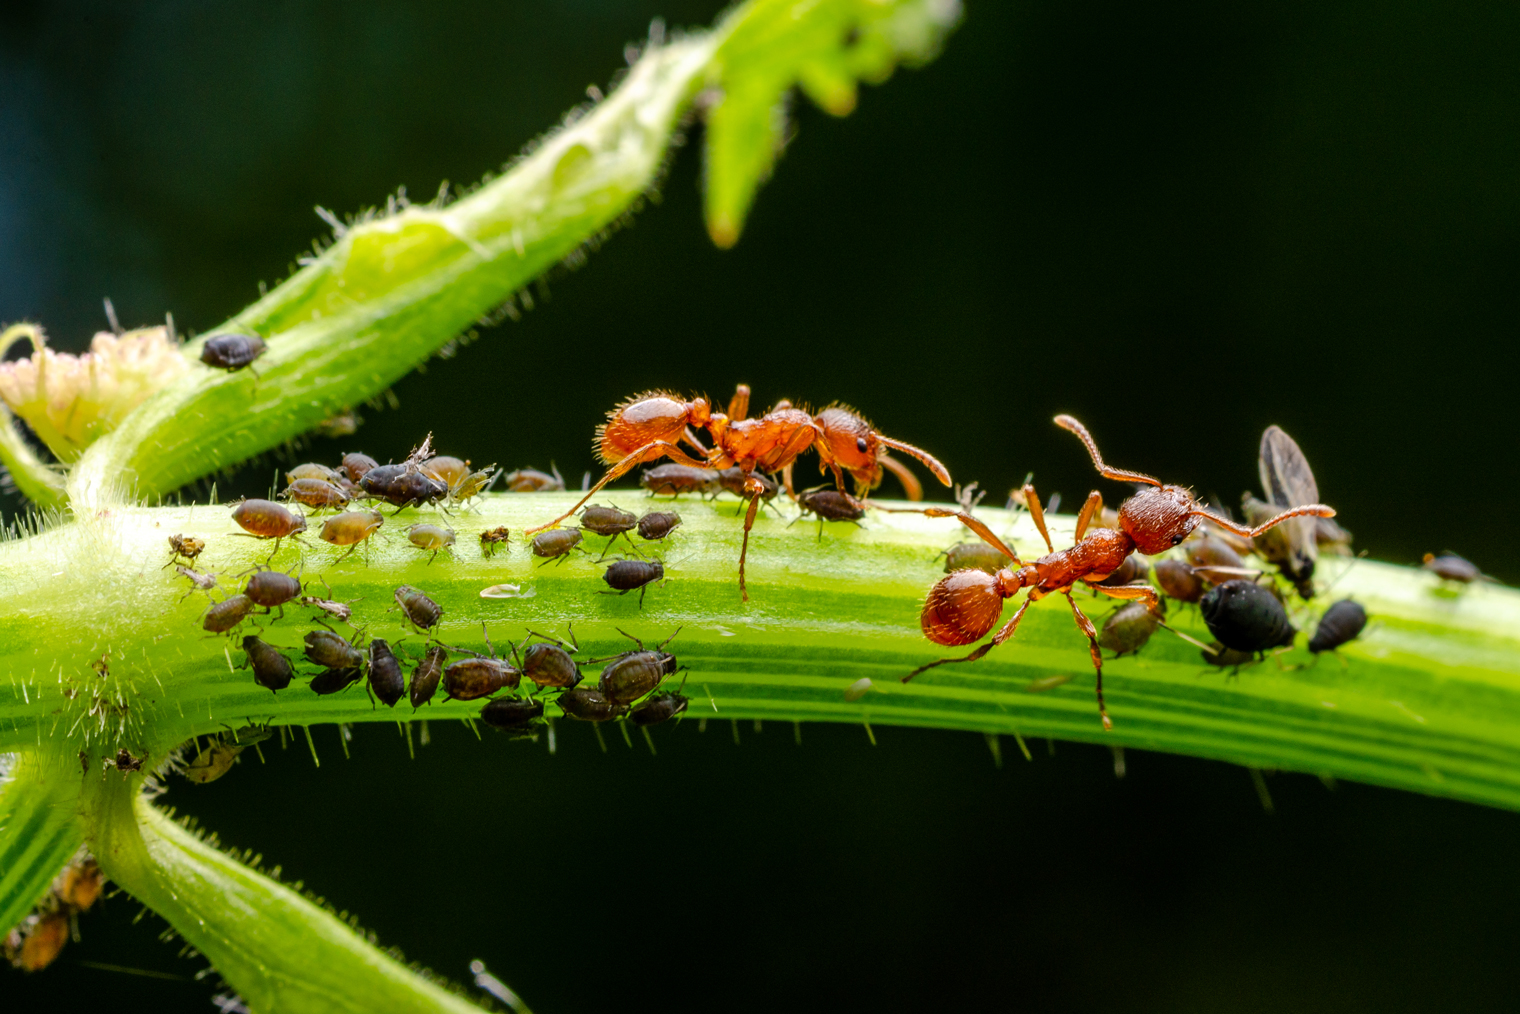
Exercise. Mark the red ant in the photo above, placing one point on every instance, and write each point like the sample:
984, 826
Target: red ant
962, 607
650, 426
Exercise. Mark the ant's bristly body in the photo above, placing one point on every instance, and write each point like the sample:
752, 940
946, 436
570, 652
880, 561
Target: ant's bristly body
964, 606
650, 426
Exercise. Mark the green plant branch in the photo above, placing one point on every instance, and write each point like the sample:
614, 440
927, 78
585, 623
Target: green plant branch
39, 829
1428, 699
282, 951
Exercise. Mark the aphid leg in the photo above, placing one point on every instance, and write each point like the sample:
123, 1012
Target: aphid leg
912, 488
1086, 626
649, 452
1002, 635
1066, 422
1093, 505
1037, 513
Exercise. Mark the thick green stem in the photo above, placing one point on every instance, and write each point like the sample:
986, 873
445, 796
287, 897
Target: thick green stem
1428, 699
283, 952
39, 829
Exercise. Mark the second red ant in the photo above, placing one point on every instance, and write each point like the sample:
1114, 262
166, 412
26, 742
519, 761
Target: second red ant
964, 606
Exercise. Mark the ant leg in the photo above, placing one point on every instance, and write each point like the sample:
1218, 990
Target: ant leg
982, 531
1032, 500
1002, 635
1093, 505
749, 522
1086, 626
649, 452
911, 486
738, 405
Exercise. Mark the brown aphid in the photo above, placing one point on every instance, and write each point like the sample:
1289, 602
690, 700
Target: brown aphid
974, 556
80, 884
403, 485
355, 464
1134, 568
265, 519
1178, 580
588, 704
385, 678
419, 610
633, 674
431, 537
312, 470
556, 543
829, 505
226, 614
331, 651
514, 716
36, 943
272, 588
496, 538
316, 493
232, 351
625, 576
673, 480
1128, 628
1451, 567
659, 708
599, 519
185, 547
649, 426
448, 470
217, 757
426, 675
351, 528
529, 480
1207, 551
655, 525
963, 607
732, 480
125, 762
472, 678
330, 681
548, 663
271, 670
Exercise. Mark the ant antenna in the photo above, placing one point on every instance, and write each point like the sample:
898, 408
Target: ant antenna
1066, 422
929, 460
1317, 509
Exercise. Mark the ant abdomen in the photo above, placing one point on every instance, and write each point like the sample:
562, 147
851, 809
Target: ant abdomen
962, 607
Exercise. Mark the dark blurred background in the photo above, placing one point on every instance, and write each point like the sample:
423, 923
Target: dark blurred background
1179, 222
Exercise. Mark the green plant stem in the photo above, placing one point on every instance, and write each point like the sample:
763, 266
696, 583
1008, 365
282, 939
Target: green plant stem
282, 951
39, 829
1428, 699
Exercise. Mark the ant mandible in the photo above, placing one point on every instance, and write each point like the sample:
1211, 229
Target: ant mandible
962, 607
651, 426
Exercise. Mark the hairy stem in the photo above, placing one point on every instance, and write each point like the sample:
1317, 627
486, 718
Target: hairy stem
39, 829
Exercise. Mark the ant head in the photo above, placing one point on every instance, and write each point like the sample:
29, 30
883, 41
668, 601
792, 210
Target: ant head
1159, 518
851, 442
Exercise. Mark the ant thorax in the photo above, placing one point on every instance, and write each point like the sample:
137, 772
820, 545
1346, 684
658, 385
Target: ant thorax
1158, 518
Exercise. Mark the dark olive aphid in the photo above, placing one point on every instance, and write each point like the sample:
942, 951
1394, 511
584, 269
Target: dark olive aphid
420, 611
385, 678
426, 676
1247, 617
187, 547
1178, 580
473, 678
732, 480
975, 556
270, 588
330, 651
1341, 623
265, 519
601, 520
493, 539
356, 464
227, 614
312, 470
232, 351
512, 714
633, 674
548, 663
330, 681
659, 708
655, 525
314, 493
829, 505
625, 576
528, 480
556, 543
1451, 567
271, 670
351, 527
673, 480
448, 470
402, 485
1128, 628
587, 704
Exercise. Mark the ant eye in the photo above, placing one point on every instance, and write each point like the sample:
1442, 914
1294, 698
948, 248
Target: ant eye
861, 445
1177, 538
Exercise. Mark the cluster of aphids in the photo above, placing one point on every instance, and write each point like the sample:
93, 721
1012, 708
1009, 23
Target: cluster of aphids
35, 941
